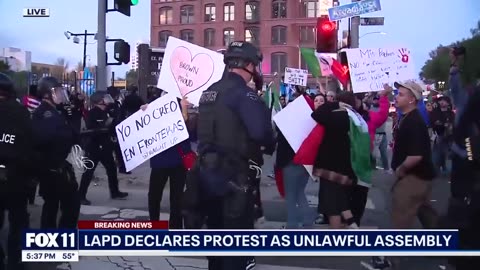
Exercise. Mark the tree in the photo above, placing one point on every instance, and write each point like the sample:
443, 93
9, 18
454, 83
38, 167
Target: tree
79, 66
437, 67
61, 68
4, 66
132, 77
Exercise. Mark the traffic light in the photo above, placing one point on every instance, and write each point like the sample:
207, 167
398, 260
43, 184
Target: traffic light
326, 35
123, 6
121, 51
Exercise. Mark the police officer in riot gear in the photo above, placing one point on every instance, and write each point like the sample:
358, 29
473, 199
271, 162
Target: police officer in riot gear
54, 139
15, 154
100, 146
114, 109
232, 118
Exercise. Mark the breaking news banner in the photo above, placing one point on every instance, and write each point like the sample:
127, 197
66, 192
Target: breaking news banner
152, 238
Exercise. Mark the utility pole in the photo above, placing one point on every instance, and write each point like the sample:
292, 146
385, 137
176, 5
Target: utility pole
355, 30
101, 76
85, 49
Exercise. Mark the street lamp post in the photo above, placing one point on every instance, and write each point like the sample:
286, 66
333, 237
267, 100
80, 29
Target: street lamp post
69, 34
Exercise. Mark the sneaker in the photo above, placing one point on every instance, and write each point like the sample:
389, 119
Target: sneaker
272, 175
250, 264
119, 195
380, 263
320, 219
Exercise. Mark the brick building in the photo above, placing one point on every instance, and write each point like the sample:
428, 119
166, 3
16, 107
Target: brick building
278, 27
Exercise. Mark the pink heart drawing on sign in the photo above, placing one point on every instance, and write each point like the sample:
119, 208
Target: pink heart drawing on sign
190, 73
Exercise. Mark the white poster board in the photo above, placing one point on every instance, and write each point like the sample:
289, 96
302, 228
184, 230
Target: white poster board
189, 69
147, 133
371, 68
295, 123
296, 76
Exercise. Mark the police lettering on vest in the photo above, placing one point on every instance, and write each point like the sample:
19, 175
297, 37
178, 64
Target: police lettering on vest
7, 138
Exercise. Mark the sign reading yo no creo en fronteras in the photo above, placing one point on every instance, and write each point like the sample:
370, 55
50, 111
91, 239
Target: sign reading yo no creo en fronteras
148, 133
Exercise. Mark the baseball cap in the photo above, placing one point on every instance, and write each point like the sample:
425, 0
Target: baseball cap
414, 87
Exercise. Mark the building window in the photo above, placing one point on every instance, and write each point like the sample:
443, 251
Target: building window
307, 34
252, 35
309, 8
210, 13
163, 38
186, 14
279, 62
252, 11
228, 36
187, 35
166, 15
209, 37
279, 9
228, 12
279, 35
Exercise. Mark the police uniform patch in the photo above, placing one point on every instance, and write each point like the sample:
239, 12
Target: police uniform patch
252, 96
47, 114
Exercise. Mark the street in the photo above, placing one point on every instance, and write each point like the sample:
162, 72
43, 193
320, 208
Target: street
135, 207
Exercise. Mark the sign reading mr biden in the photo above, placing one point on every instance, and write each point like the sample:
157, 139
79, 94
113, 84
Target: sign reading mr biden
148, 133
188, 69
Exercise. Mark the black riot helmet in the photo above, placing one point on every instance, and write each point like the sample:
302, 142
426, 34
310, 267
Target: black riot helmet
50, 88
101, 98
6, 86
240, 53
113, 91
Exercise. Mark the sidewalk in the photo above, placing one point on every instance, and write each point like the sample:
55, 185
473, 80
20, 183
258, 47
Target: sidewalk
158, 263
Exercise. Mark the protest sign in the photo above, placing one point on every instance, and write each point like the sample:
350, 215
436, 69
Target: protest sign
295, 123
147, 133
189, 69
296, 76
371, 68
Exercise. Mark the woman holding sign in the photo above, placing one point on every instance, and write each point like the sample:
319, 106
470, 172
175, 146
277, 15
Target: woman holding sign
168, 166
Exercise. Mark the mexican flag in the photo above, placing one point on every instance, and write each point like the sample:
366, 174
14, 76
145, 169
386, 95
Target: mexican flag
323, 65
272, 98
359, 148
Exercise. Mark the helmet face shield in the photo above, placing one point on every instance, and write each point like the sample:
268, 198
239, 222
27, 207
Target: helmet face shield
60, 95
107, 99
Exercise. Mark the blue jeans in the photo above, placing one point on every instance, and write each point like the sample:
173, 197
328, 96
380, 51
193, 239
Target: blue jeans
440, 154
382, 148
295, 179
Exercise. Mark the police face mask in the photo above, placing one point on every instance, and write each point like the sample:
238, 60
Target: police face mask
60, 95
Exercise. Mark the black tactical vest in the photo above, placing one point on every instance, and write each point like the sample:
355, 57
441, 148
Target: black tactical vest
219, 128
14, 132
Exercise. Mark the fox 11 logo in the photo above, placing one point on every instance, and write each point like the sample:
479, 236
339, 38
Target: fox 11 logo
50, 240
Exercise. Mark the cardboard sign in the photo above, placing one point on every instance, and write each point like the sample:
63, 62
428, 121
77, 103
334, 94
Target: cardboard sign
147, 133
296, 123
371, 68
296, 76
188, 69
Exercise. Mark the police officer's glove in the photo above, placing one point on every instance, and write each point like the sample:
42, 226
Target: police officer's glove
109, 121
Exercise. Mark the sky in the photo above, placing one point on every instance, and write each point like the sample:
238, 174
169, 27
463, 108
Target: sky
420, 25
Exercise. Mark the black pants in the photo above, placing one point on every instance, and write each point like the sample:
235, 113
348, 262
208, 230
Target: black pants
213, 209
256, 193
60, 192
158, 180
358, 201
15, 203
105, 156
119, 158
